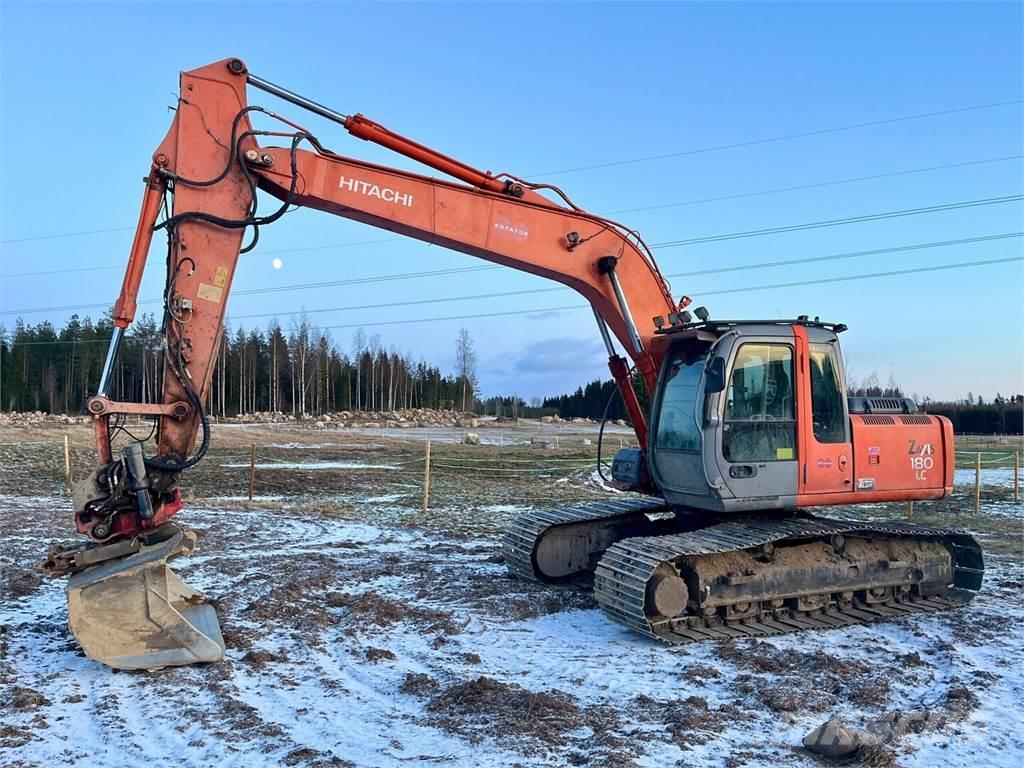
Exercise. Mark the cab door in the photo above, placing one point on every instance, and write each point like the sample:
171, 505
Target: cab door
826, 449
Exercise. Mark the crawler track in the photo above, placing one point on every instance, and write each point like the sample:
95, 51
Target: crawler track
524, 538
627, 572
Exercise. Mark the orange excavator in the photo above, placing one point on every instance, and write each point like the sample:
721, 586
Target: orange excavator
749, 426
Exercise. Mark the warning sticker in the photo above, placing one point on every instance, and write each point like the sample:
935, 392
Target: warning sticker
212, 293
825, 463
220, 276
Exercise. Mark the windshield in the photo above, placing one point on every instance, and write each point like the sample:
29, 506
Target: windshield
678, 428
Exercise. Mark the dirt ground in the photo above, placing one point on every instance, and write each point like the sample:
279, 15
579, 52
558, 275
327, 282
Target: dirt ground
362, 630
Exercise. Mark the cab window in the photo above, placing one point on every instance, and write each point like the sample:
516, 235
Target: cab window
827, 396
759, 420
678, 428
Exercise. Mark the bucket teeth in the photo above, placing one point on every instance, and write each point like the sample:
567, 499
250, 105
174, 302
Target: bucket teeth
136, 613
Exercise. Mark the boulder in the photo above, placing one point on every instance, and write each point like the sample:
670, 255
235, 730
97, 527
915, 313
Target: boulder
471, 438
835, 740
539, 442
586, 441
893, 725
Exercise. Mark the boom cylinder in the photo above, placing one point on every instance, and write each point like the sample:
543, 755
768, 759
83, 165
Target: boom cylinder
108, 364
607, 266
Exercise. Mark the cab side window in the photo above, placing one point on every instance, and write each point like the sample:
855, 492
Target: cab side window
827, 396
760, 424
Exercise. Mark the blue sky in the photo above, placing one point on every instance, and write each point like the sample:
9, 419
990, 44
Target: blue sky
535, 88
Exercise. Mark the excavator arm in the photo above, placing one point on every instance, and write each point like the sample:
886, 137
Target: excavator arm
125, 606
213, 164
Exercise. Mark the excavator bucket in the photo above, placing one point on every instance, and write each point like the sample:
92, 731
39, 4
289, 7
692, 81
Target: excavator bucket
134, 612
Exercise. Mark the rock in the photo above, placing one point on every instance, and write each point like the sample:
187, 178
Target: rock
835, 740
586, 441
893, 725
620, 422
471, 438
539, 442
547, 419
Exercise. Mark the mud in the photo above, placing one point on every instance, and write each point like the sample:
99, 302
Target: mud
483, 707
343, 603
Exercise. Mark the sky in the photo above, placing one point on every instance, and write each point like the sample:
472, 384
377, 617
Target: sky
538, 89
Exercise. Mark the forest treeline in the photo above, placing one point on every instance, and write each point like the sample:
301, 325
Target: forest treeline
298, 370
301, 370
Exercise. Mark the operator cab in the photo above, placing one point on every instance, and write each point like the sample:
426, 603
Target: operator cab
726, 416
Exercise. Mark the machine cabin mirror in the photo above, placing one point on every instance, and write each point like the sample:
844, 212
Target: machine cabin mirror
714, 376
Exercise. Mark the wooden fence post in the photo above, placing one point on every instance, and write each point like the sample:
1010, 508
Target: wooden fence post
252, 470
1016, 476
977, 483
67, 463
426, 478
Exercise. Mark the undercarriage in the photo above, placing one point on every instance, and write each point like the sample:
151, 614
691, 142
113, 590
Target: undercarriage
679, 575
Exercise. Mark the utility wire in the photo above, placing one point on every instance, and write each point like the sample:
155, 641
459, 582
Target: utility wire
649, 158
844, 278
733, 268
773, 139
839, 222
262, 253
737, 196
816, 185
667, 244
64, 234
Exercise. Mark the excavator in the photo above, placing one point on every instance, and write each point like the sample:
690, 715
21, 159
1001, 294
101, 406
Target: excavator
749, 427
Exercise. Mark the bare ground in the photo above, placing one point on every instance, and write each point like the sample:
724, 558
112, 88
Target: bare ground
362, 631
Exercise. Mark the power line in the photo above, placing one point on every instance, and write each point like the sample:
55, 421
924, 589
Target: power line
773, 139
717, 270
816, 185
850, 254
839, 222
351, 244
649, 158
64, 234
845, 278
670, 244
738, 267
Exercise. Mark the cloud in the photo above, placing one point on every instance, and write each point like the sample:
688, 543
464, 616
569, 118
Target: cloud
576, 358
544, 315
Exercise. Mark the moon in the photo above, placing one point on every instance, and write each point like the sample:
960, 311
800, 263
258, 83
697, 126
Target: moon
277, 263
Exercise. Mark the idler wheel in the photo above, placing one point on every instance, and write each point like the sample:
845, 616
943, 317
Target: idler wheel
666, 594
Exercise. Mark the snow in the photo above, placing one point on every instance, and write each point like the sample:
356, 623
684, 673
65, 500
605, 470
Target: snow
324, 695
1000, 478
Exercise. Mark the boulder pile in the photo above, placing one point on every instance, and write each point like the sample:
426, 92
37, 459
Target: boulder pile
35, 418
408, 418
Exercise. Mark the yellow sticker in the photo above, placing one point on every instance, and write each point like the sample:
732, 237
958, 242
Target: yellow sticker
783, 453
210, 293
220, 276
